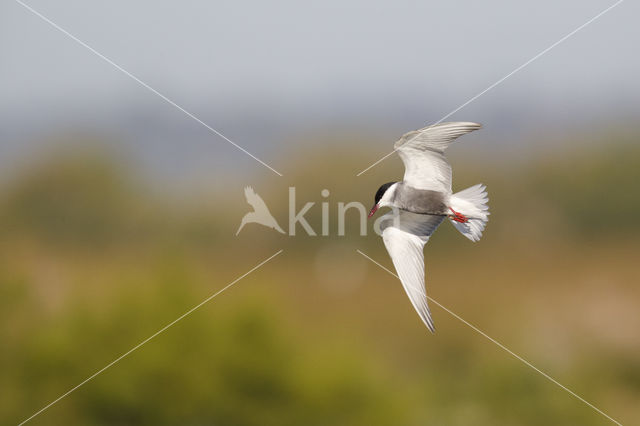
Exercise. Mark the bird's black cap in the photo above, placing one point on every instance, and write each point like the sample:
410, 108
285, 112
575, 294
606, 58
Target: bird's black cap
382, 190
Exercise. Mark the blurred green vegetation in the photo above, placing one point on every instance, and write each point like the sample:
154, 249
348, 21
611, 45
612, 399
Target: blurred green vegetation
93, 263
596, 191
81, 200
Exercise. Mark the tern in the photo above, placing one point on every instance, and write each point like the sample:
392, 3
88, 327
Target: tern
260, 213
422, 201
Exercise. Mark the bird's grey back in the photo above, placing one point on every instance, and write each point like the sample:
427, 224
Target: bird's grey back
422, 201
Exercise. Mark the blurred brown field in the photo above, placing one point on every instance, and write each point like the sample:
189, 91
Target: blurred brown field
94, 261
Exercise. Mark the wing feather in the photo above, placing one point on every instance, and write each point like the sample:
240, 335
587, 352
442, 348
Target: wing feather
422, 152
404, 236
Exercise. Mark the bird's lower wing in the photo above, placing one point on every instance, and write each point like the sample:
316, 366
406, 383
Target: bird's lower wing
405, 240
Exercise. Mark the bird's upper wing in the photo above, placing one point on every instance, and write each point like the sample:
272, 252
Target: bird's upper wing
255, 200
404, 238
422, 152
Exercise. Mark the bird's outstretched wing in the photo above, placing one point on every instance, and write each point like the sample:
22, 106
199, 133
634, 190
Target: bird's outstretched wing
404, 235
255, 200
422, 152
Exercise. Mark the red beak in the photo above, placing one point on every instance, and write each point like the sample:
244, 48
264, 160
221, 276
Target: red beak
373, 210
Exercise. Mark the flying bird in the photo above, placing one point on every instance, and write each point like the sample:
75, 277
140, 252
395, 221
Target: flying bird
260, 213
422, 201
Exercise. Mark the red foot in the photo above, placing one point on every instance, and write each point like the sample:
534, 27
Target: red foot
458, 217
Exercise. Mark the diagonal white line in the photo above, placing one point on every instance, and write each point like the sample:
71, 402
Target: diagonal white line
503, 347
377, 162
530, 61
508, 75
150, 337
142, 83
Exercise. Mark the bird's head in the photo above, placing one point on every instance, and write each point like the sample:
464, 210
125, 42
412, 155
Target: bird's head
382, 197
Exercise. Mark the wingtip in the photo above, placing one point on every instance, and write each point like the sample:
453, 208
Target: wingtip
456, 123
428, 321
471, 124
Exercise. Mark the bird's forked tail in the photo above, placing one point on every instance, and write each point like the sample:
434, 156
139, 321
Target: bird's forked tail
469, 211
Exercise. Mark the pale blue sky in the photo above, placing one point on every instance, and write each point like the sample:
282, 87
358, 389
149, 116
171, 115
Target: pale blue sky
200, 50
286, 65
